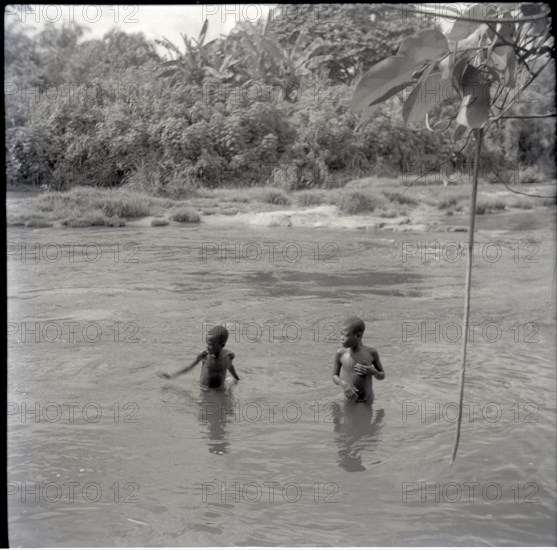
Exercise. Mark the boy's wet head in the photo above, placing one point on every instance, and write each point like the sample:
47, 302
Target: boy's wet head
216, 339
353, 329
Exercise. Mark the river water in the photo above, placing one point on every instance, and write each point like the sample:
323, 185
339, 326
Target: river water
102, 452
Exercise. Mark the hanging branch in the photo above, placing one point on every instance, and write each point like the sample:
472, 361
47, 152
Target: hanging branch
473, 73
471, 226
528, 194
548, 115
524, 19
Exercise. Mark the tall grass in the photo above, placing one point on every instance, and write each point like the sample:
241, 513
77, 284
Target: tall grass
275, 196
401, 198
311, 198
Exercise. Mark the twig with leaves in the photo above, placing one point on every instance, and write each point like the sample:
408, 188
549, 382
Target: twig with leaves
487, 45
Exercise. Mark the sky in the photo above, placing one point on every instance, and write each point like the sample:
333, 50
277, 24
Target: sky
155, 21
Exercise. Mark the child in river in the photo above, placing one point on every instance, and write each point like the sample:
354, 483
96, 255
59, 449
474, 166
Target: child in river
357, 362
216, 361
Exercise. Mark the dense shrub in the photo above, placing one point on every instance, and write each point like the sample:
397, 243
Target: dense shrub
357, 202
250, 124
185, 215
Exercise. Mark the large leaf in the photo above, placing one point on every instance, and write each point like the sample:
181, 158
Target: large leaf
474, 40
427, 95
298, 44
398, 70
383, 77
463, 28
392, 92
203, 33
504, 60
506, 31
446, 66
459, 132
166, 74
270, 18
426, 45
368, 112
173, 63
474, 109
459, 69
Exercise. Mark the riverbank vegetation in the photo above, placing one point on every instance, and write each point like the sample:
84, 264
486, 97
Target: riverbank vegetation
121, 127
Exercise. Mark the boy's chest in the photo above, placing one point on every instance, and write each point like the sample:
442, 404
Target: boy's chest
216, 364
350, 358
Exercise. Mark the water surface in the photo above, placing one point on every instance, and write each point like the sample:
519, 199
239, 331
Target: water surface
189, 471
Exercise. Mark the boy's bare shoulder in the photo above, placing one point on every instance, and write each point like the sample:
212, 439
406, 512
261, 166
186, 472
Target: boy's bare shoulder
372, 351
227, 353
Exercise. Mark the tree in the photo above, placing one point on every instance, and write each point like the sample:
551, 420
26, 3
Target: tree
355, 35
490, 56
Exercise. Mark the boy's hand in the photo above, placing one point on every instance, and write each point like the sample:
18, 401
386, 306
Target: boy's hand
350, 392
364, 370
164, 375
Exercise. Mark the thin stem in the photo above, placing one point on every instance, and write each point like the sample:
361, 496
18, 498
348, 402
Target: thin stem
528, 194
471, 225
472, 19
548, 115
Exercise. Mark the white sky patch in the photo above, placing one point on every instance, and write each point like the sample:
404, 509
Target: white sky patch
155, 21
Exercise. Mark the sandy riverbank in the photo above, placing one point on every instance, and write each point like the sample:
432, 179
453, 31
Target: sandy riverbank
361, 204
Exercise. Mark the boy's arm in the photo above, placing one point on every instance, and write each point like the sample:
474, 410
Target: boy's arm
199, 358
231, 368
336, 369
379, 371
375, 369
349, 390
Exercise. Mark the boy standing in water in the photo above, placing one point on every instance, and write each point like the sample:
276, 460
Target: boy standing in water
358, 363
216, 361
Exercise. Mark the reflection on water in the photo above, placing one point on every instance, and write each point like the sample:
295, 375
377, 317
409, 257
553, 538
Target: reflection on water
213, 413
184, 437
356, 428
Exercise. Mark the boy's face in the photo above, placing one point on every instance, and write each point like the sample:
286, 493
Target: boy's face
214, 345
348, 338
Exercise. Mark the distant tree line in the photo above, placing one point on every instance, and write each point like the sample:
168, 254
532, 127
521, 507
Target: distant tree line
266, 104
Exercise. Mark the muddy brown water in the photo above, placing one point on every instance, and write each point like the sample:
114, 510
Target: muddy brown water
112, 455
